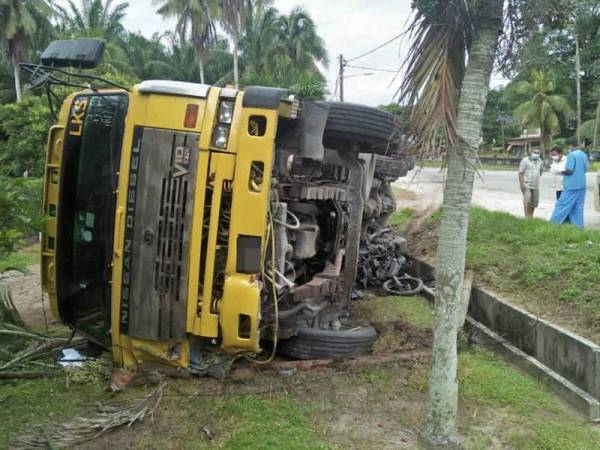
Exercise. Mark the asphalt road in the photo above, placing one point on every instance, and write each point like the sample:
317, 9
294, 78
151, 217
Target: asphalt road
496, 191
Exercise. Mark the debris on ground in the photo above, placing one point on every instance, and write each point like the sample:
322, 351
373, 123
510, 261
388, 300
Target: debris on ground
85, 428
276, 367
71, 358
383, 266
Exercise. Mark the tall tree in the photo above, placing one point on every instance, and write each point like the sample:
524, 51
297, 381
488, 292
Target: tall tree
98, 19
94, 19
142, 52
19, 21
300, 41
259, 45
543, 107
198, 15
453, 96
232, 17
448, 96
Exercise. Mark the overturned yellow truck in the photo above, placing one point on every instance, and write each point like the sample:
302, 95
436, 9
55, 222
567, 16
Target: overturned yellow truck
186, 220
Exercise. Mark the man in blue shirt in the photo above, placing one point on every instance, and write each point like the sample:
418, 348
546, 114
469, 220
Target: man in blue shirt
569, 208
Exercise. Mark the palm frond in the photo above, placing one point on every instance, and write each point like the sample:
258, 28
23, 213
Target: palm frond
561, 105
434, 70
82, 428
8, 311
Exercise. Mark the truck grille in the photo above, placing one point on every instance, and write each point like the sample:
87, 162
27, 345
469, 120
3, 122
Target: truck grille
170, 239
158, 231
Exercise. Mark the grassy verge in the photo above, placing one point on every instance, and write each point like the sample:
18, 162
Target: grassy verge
535, 256
22, 258
553, 270
484, 167
401, 217
30, 402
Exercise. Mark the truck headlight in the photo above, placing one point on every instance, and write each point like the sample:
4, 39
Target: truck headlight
220, 136
226, 111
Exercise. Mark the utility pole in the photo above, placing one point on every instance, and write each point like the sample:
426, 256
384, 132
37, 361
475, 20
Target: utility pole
578, 81
342, 63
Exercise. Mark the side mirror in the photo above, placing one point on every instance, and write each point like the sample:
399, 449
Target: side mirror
79, 53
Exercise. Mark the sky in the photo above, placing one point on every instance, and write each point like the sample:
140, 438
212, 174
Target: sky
349, 27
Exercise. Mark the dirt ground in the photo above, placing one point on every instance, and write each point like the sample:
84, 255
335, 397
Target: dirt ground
28, 297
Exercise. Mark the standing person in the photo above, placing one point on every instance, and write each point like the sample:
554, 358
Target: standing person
557, 167
530, 171
571, 203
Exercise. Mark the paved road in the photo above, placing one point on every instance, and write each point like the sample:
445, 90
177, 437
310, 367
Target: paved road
497, 191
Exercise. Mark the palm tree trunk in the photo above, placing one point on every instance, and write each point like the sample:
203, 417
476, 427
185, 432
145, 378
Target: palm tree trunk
440, 428
17, 75
236, 75
546, 141
201, 67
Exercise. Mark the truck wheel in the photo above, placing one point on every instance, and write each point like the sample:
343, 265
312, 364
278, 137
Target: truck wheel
315, 343
348, 123
391, 168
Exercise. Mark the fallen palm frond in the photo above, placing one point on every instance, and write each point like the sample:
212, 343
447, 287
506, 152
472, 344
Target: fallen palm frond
82, 429
36, 351
22, 349
8, 311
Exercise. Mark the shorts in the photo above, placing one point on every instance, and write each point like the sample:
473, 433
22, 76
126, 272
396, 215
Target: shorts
531, 197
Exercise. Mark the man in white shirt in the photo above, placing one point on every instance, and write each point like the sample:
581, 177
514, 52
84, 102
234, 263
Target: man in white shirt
557, 167
530, 171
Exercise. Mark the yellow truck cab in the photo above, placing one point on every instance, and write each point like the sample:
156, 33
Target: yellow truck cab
185, 219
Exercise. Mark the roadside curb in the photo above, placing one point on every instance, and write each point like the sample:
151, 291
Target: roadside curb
569, 364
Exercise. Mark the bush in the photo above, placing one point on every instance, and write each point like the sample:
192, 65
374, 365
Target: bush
23, 130
20, 211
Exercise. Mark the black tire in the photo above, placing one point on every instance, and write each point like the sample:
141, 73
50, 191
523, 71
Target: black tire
403, 286
348, 123
387, 167
314, 343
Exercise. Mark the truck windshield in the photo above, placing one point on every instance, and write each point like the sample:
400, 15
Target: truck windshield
86, 212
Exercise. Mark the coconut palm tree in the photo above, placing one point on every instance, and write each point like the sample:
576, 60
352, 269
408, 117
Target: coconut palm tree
260, 42
19, 20
232, 16
97, 19
448, 93
543, 108
94, 19
300, 41
198, 15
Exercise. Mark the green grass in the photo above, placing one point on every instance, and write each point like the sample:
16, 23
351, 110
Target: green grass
25, 403
535, 257
532, 257
486, 380
539, 421
22, 258
401, 217
414, 310
484, 167
266, 423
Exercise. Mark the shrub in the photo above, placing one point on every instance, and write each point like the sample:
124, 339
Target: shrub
20, 211
23, 130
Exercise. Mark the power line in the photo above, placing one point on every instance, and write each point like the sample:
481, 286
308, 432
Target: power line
376, 48
371, 68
